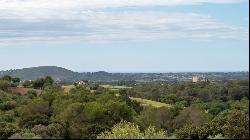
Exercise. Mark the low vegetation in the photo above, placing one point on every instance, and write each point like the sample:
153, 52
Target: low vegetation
205, 110
67, 88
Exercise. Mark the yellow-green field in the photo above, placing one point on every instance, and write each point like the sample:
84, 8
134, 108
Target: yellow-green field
114, 87
146, 102
67, 88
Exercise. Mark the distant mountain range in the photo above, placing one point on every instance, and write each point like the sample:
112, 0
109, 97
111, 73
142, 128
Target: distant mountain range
62, 74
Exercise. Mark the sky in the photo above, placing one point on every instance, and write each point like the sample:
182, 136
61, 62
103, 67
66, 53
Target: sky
125, 35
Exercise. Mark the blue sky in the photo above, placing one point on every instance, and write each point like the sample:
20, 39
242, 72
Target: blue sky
125, 36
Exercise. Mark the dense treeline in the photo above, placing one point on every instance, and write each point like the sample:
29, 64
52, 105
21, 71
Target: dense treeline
187, 92
197, 110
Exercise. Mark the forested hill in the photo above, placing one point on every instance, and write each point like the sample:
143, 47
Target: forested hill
33, 73
62, 74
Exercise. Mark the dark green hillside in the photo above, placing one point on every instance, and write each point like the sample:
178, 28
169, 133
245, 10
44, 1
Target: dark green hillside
57, 73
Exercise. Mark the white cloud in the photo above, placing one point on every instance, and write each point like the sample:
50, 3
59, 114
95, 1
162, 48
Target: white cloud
69, 4
50, 20
101, 26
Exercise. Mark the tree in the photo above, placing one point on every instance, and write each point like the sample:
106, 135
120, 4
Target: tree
27, 84
31, 94
215, 107
6, 130
239, 92
237, 125
48, 81
25, 135
189, 131
191, 115
4, 85
55, 131
148, 117
52, 131
35, 113
127, 130
15, 80
94, 86
152, 133
158, 117
7, 78
169, 98
78, 109
41, 83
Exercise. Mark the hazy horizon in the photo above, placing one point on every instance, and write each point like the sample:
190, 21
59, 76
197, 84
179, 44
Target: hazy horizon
125, 36
131, 71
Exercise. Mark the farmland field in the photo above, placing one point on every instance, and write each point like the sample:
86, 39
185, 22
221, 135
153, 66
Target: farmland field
67, 88
114, 87
146, 102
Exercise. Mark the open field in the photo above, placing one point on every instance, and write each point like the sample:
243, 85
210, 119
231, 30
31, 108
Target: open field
146, 102
67, 88
114, 87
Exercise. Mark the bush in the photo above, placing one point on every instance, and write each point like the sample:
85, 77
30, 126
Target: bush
237, 125
127, 130
4, 85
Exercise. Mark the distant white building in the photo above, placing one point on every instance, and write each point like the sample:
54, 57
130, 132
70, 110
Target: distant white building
81, 83
196, 79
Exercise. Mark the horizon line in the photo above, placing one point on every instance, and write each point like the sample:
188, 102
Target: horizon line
116, 71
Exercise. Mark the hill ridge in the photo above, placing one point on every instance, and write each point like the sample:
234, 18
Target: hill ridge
63, 74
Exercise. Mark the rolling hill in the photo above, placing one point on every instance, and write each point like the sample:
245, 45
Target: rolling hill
57, 73
65, 75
